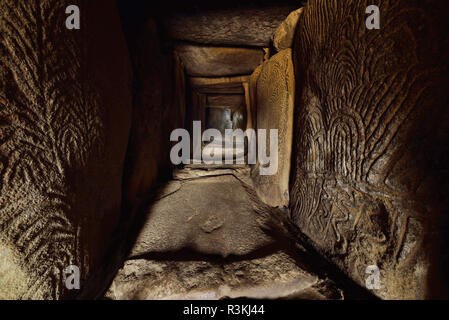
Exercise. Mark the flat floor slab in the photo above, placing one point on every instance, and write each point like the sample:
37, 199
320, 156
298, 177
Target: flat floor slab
210, 215
271, 277
203, 239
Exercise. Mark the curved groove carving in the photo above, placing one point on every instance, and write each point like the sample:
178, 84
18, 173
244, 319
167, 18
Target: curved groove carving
366, 101
51, 132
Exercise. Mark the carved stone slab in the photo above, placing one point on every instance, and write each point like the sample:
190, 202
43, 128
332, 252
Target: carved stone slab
275, 103
285, 33
371, 130
65, 114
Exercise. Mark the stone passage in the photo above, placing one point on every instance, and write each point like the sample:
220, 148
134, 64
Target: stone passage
202, 239
89, 118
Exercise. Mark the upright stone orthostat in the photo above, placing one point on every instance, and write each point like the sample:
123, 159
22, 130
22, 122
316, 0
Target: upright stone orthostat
159, 107
370, 177
275, 103
65, 99
285, 33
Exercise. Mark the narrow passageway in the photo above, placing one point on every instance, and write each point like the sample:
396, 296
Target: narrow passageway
118, 178
206, 230
203, 239
202, 235
323, 199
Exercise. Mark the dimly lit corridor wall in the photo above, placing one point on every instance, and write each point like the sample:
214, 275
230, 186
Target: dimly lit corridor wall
158, 108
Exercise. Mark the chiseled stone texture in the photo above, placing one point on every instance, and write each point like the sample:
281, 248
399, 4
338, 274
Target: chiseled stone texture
236, 27
370, 179
223, 85
275, 276
65, 113
275, 104
206, 236
207, 61
211, 215
232, 101
252, 86
285, 33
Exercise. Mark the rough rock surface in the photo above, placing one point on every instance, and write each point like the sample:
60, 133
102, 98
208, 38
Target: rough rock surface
252, 86
232, 101
194, 244
275, 104
211, 215
371, 169
207, 61
285, 33
223, 85
197, 171
275, 276
159, 107
237, 27
65, 109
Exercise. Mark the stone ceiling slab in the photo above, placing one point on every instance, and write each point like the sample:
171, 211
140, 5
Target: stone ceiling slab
237, 27
218, 61
228, 100
222, 85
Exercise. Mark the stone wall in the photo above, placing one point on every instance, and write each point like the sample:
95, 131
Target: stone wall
274, 103
159, 108
370, 175
252, 92
285, 33
65, 112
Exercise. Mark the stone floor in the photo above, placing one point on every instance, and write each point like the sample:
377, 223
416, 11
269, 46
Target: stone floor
202, 239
